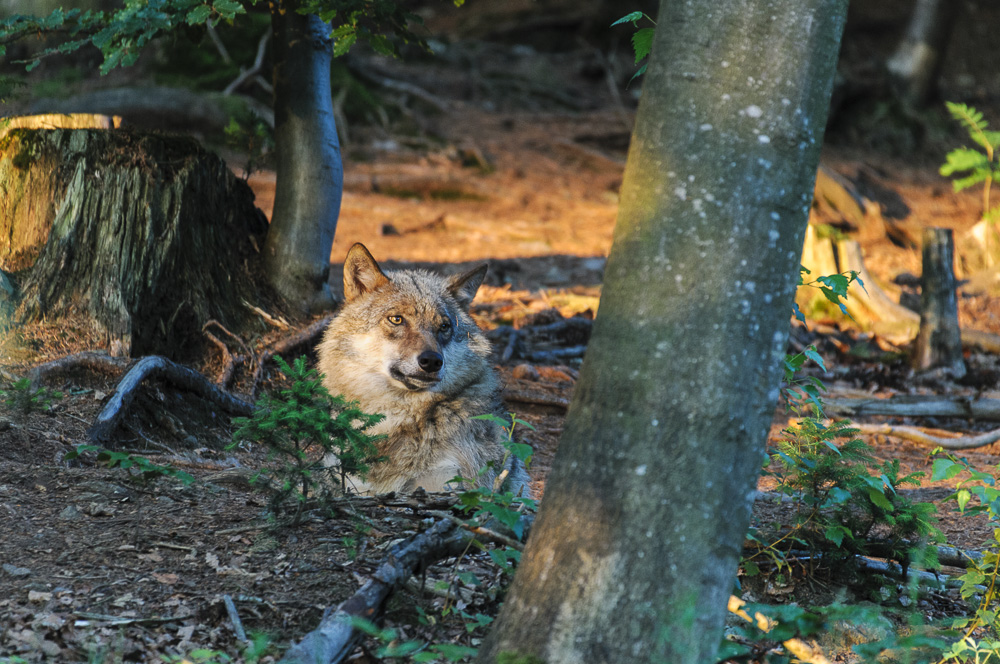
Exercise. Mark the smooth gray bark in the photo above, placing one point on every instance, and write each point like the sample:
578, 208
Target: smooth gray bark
310, 174
915, 65
637, 543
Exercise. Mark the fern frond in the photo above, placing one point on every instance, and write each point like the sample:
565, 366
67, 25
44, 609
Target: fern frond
969, 180
973, 121
964, 159
969, 117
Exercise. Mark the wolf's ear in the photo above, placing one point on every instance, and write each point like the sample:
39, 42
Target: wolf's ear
464, 286
361, 273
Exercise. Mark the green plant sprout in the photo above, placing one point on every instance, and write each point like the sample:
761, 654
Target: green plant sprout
22, 398
146, 470
299, 426
979, 165
642, 39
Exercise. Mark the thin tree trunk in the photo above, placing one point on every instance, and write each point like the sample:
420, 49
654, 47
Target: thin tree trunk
915, 65
638, 539
309, 171
939, 341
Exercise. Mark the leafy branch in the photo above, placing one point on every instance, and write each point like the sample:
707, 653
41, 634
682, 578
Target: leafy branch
980, 165
642, 39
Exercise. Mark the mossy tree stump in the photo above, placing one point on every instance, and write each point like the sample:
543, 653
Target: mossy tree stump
147, 235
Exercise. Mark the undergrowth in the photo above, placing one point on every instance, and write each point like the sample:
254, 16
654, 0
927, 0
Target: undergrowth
304, 428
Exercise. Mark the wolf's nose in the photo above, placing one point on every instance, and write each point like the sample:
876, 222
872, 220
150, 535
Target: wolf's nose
430, 361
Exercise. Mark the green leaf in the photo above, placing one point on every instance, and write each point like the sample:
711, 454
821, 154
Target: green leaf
811, 353
962, 497
969, 117
228, 9
628, 18
642, 42
879, 499
199, 15
836, 533
343, 44
638, 73
944, 469
963, 159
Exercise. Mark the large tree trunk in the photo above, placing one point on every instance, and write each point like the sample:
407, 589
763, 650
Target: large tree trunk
310, 175
636, 547
147, 236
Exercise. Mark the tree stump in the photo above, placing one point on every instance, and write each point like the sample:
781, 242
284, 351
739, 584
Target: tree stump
147, 235
939, 341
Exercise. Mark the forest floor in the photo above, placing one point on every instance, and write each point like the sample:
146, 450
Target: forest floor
517, 161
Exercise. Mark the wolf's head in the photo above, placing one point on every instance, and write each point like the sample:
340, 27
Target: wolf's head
414, 326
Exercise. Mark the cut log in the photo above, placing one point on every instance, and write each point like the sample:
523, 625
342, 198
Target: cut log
60, 121
939, 340
918, 435
149, 236
986, 409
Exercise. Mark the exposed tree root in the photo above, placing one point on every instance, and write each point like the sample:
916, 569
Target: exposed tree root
155, 366
88, 359
918, 435
307, 334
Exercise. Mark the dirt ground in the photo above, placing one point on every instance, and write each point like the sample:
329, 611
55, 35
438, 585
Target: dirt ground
519, 164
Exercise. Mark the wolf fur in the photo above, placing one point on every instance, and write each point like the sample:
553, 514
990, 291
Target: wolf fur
404, 345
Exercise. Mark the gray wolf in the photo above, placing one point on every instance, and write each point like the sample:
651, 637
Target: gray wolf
404, 345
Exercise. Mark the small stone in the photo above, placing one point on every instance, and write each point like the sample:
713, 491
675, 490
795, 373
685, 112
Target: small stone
69, 513
14, 570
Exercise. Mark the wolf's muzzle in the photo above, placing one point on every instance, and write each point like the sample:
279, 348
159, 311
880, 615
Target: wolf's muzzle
430, 361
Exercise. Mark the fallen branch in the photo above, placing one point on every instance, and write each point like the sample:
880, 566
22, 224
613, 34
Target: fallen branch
557, 354
234, 618
156, 366
480, 531
918, 435
517, 396
88, 359
335, 638
508, 350
917, 406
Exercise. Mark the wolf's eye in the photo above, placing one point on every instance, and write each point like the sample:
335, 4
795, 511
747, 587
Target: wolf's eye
445, 327
396, 320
